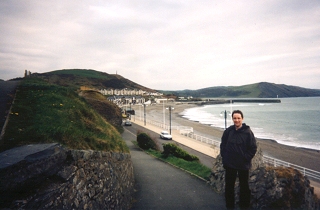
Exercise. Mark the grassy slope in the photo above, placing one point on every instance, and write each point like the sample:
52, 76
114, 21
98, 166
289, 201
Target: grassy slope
108, 110
252, 91
44, 112
257, 90
81, 73
90, 78
194, 167
246, 91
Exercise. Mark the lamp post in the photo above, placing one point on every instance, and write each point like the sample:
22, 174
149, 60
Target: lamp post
140, 111
225, 112
164, 115
144, 113
170, 109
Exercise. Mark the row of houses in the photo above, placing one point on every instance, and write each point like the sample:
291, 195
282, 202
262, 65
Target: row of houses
133, 100
128, 92
126, 100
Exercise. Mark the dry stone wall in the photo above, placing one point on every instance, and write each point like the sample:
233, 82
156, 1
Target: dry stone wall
58, 178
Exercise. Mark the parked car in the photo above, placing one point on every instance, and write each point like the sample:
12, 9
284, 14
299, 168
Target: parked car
127, 123
165, 135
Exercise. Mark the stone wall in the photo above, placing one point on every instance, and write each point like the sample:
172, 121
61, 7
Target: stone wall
58, 178
271, 187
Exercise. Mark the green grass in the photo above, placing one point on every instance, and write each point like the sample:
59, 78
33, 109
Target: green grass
81, 72
253, 90
192, 166
45, 113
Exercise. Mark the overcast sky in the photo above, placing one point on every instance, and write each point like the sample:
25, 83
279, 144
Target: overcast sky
167, 45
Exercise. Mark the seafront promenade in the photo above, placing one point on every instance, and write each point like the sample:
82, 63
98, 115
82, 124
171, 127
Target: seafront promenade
212, 150
204, 148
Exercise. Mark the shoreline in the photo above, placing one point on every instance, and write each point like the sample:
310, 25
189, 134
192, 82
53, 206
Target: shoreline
304, 157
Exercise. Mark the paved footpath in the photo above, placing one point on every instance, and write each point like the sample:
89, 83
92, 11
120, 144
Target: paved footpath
162, 186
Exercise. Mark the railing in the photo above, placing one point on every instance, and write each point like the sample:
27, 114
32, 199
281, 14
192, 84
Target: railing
266, 159
203, 139
305, 171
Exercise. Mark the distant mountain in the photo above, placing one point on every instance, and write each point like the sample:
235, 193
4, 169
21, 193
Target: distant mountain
257, 90
89, 78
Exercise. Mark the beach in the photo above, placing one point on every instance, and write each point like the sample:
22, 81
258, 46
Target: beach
307, 158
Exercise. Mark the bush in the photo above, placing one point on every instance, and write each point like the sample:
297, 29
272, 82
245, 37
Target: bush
172, 149
145, 142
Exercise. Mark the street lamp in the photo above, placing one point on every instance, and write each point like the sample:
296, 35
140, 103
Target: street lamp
164, 115
140, 111
225, 117
144, 112
170, 108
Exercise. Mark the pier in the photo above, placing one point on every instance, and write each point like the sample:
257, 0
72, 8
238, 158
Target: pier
263, 100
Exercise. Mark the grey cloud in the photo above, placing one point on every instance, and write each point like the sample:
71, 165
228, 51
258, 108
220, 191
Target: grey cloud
194, 43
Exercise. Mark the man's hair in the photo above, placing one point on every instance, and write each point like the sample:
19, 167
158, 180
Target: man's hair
238, 112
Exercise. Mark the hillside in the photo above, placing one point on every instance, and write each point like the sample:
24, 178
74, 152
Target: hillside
49, 113
108, 110
90, 78
257, 90
269, 90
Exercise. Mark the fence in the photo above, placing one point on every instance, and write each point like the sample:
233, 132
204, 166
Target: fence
188, 131
305, 171
203, 139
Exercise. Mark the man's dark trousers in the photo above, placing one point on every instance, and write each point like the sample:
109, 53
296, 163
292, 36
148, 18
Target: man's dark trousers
230, 179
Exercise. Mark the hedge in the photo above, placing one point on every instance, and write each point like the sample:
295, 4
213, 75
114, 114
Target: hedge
145, 142
172, 149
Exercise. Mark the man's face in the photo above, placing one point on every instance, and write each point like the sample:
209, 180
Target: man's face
237, 120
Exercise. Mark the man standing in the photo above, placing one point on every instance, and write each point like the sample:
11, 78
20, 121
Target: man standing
238, 147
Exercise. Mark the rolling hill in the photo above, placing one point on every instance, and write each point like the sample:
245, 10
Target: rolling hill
100, 80
90, 78
257, 90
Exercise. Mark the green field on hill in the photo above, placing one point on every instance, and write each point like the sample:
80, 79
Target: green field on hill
80, 73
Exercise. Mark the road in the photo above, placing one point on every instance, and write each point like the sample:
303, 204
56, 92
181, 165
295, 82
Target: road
159, 185
204, 159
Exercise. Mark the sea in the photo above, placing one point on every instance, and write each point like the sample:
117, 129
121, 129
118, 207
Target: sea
293, 122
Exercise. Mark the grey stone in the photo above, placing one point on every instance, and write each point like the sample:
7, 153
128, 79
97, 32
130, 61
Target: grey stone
270, 190
67, 179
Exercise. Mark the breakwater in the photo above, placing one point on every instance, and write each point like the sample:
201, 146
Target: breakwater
243, 100
255, 100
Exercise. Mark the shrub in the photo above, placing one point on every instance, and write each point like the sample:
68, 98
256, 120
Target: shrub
172, 149
145, 142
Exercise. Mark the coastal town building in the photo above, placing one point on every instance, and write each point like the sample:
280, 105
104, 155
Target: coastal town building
126, 100
163, 100
128, 92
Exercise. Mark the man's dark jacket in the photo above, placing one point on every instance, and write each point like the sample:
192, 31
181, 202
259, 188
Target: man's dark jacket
238, 147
